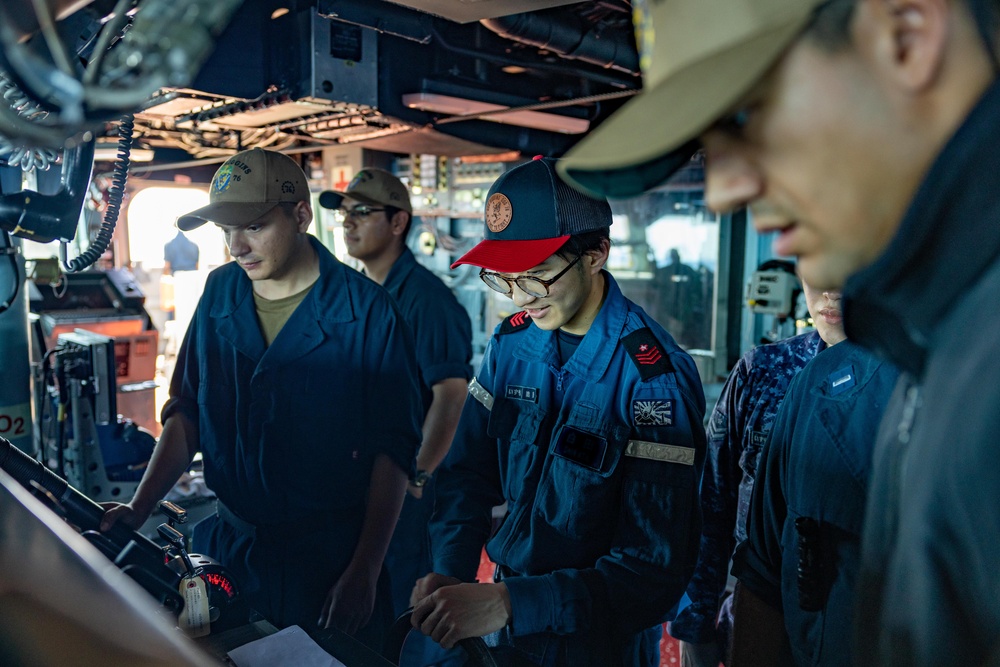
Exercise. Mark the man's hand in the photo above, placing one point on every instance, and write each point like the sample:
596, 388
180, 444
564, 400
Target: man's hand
350, 602
415, 491
700, 655
461, 611
115, 512
428, 584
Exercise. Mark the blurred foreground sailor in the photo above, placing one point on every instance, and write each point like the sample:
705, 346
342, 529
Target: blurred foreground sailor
864, 133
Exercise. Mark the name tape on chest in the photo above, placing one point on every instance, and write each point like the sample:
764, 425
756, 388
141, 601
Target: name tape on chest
478, 392
657, 451
519, 393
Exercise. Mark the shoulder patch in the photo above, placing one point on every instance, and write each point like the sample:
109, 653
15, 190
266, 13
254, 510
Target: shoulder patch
515, 322
647, 354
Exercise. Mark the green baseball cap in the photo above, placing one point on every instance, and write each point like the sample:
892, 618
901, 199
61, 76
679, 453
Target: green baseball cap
698, 58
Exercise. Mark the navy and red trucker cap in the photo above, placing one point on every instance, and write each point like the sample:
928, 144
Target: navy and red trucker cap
530, 213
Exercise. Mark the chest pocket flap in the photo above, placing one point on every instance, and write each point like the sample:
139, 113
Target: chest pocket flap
515, 421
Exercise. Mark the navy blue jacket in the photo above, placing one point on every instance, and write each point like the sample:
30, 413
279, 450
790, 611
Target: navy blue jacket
815, 467
598, 462
932, 541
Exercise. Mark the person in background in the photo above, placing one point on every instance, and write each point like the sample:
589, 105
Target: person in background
737, 430
377, 220
679, 290
180, 254
863, 134
798, 566
586, 419
297, 381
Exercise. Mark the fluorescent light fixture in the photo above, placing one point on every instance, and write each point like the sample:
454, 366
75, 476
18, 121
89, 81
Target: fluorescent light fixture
109, 153
497, 113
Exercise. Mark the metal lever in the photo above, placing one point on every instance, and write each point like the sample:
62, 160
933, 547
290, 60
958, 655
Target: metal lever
176, 540
175, 513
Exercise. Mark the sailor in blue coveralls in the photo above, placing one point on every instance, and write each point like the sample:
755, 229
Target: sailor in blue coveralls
799, 565
298, 383
737, 430
377, 218
586, 418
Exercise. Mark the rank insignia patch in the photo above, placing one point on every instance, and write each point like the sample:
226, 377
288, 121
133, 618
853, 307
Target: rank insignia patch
654, 412
515, 322
841, 380
647, 354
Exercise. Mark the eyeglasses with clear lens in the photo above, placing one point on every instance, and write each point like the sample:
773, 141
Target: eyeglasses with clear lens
529, 284
362, 211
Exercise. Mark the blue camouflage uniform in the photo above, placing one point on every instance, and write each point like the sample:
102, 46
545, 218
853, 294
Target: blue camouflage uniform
803, 542
598, 461
738, 427
289, 432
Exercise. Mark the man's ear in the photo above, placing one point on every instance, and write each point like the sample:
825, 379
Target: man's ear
911, 39
398, 222
594, 260
303, 215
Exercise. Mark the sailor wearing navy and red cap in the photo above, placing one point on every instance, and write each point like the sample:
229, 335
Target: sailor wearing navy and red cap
586, 419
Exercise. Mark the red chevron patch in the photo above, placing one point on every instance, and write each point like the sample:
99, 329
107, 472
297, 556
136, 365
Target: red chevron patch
648, 356
515, 322
646, 353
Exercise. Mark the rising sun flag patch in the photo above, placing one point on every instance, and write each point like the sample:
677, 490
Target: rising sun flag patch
654, 412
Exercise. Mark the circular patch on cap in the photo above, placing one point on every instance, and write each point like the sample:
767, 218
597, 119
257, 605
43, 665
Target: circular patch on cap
224, 178
498, 212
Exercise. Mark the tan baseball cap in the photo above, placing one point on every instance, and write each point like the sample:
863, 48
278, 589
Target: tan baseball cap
698, 58
248, 185
372, 186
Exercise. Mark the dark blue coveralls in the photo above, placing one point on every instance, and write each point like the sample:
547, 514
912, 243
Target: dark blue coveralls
804, 532
290, 432
598, 461
443, 336
737, 430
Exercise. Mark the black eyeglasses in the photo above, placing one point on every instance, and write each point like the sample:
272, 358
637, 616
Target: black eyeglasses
359, 211
529, 284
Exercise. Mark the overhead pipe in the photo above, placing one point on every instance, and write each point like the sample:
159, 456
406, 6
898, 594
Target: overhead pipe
569, 36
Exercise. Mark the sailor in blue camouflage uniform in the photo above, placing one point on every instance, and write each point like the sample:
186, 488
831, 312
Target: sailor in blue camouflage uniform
737, 430
586, 418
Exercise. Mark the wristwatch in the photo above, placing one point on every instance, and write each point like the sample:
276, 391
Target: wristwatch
421, 478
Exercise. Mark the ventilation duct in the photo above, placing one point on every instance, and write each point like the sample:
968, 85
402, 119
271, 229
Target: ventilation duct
570, 36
